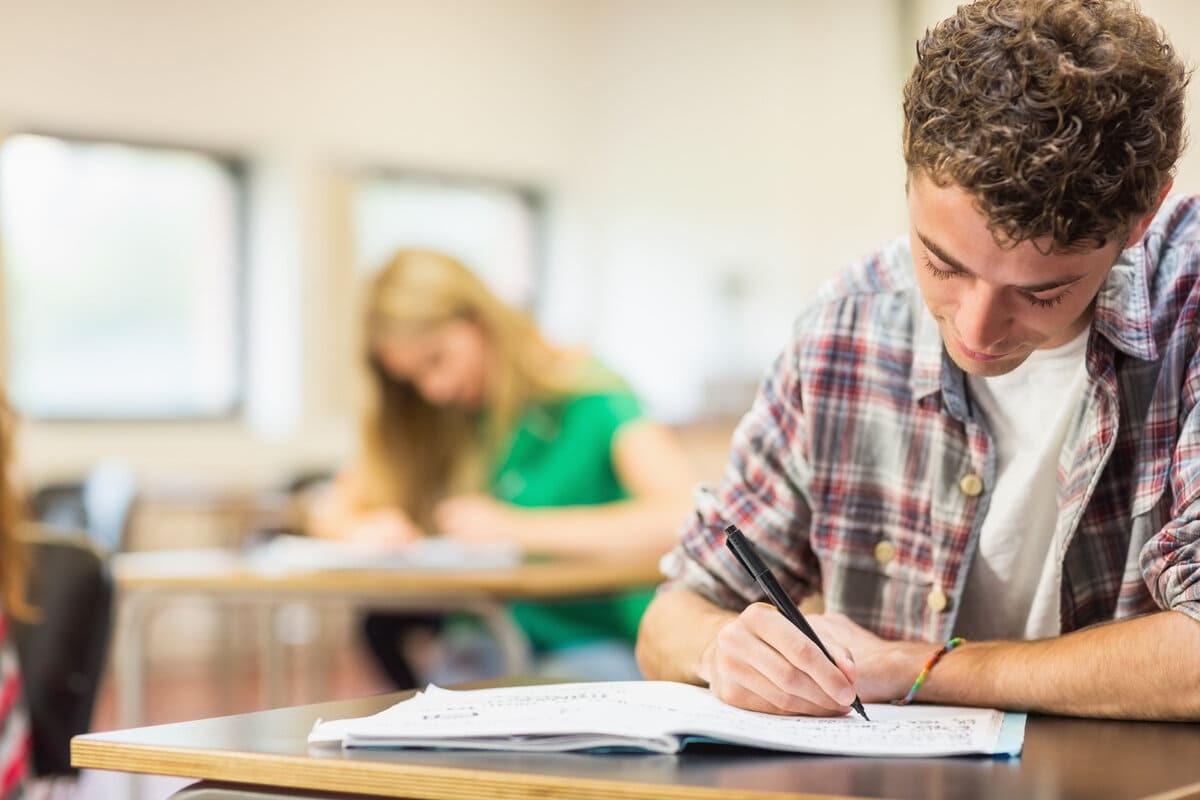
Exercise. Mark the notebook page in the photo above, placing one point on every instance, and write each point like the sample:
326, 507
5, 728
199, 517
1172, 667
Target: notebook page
649, 714
619, 708
917, 730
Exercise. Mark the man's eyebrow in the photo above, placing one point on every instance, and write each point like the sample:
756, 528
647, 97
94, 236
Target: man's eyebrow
958, 266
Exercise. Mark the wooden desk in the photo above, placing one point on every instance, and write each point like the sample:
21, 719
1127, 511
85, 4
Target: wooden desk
1063, 758
144, 580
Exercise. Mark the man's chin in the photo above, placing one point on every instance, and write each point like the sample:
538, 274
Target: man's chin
990, 368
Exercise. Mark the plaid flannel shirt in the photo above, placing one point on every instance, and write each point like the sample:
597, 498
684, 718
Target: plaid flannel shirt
863, 472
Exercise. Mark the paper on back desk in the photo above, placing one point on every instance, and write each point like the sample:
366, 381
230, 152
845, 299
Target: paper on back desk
289, 553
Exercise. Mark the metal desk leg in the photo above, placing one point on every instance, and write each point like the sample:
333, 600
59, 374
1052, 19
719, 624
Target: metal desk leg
276, 681
133, 620
225, 644
514, 646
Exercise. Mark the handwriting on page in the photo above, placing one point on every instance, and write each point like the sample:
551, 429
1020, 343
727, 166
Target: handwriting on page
658, 708
852, 734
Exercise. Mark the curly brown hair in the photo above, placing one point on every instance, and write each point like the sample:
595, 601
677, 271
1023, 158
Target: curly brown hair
1063, 118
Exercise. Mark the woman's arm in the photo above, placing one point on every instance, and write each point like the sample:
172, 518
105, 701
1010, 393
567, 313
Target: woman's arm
653, 468
340, 512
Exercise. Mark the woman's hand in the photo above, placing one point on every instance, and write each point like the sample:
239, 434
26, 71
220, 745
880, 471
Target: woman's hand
383, 527
478, 518
341, 511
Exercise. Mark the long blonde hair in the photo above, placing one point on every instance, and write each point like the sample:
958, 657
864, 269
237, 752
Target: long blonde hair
14, 556
415, 453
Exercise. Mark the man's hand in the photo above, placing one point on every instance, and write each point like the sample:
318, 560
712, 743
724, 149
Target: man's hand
761, 662
885, 670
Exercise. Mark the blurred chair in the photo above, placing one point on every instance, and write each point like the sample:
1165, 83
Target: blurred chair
214, 790
308, 480
59, 505
62, 653
101, 505
298, 490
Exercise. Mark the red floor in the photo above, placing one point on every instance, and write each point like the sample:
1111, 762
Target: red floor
175, 693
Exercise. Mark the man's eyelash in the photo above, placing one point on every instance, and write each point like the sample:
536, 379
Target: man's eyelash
1039, 302
1048, 302
939, 274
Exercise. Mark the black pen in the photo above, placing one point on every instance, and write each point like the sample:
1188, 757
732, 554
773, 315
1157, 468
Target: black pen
745, 553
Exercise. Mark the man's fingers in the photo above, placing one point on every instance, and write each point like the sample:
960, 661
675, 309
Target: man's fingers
771, 701
833, 680
748, 663
841, 655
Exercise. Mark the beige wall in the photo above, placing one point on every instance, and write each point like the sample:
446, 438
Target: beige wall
676, 141
682, 144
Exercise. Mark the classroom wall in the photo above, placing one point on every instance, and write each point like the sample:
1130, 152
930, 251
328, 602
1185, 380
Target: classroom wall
748, 152
707, 164
299, 89
684, 148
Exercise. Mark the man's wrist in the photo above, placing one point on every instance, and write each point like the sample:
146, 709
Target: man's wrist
909, 658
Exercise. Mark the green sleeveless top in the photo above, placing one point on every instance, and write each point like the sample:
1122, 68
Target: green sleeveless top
560, 454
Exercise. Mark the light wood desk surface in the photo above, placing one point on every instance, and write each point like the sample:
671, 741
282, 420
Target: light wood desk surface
1063, 758
225, 571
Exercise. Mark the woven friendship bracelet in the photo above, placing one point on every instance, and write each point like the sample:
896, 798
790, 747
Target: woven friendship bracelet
946, 648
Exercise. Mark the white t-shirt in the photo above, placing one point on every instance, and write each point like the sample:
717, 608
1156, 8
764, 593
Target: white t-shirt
1012, 589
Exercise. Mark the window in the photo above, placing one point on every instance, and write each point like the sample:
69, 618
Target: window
121, 280
491, 228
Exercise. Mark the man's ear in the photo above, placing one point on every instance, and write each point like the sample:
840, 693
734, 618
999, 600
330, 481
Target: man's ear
1139, 229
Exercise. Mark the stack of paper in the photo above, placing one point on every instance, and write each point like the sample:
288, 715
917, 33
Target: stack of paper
663, 717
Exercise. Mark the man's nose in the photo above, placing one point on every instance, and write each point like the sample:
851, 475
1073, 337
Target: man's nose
983, 319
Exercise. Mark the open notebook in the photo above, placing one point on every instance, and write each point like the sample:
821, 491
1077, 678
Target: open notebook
662, 717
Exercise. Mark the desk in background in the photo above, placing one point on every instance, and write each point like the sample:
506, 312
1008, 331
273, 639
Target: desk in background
146, 581
267, 750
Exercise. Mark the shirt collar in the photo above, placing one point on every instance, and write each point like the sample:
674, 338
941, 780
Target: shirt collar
1122, 313
927, 351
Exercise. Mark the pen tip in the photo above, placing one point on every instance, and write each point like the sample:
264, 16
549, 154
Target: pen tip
858, 706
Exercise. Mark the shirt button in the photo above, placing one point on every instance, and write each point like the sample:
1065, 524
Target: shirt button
937, 601
885, 551
970, 484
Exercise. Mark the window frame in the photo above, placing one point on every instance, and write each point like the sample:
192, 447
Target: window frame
237, 169
533, 197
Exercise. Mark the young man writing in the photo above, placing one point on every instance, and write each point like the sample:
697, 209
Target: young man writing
987, 430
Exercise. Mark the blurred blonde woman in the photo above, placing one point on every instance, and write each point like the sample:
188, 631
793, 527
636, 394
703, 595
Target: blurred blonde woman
15, 733
479, 430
